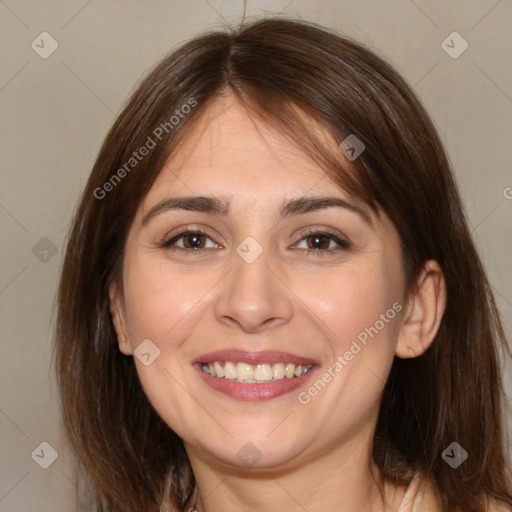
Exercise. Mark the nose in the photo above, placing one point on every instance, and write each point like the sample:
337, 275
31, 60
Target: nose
254, 296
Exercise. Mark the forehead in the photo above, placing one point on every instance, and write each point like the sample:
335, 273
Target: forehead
231, 151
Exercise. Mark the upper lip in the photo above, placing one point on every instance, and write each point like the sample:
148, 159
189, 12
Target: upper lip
251, 357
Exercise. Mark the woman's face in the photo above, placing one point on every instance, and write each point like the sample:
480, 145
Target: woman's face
278, 282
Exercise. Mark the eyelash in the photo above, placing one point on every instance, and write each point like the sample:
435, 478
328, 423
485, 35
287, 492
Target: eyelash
342, 244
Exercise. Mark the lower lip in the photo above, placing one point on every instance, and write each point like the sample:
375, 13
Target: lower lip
252, 392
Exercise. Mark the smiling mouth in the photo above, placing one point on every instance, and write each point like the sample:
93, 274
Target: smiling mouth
254, 374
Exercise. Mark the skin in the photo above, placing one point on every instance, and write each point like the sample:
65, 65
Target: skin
314, 457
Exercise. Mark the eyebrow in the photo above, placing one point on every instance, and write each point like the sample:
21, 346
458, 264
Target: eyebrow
220, 206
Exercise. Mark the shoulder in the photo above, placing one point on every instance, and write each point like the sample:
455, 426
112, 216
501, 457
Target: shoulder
421, 496
499, 507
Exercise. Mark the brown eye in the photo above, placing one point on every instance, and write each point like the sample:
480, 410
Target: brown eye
189, 240
322, 242
194, 241
318, 242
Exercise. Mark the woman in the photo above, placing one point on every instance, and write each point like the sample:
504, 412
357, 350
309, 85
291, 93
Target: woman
270, 298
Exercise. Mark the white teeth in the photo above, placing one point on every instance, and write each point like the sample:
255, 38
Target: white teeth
263, 372
278, 371
244, 371
290, 370
219, 371
229, 370
260, 373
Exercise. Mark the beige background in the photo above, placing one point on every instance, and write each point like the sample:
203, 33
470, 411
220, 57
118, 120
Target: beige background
55, 113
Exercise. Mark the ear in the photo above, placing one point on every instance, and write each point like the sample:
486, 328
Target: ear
118, 319
424, 313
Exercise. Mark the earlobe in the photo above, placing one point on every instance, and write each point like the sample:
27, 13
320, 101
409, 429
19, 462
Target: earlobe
117, 314
423, 314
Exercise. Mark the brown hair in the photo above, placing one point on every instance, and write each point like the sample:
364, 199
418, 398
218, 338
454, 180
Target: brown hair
279, 68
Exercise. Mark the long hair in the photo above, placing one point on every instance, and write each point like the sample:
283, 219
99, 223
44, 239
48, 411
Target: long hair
286, 72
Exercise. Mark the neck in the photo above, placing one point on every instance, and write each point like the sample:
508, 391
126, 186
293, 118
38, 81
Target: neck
343, 478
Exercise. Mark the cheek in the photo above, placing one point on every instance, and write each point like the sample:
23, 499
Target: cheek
161, 301
350, 303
